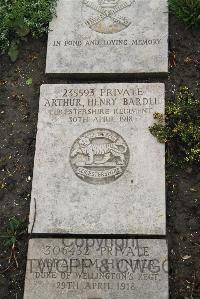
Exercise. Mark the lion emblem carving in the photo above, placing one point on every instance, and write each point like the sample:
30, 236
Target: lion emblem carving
106, 150
99, 156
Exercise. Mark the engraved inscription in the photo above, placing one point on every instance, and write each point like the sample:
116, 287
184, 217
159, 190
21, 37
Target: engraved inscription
99, 156
107, 16
99, 106
99, 268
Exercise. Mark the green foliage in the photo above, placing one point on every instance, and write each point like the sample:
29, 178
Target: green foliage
14, 50
186, 10
21, 17
29, 81
180, 129
14, 229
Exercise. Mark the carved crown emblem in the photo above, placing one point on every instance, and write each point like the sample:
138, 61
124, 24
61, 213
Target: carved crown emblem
108, 3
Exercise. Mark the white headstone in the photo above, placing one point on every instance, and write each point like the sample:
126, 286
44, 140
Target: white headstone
98, 169
96, 269
108, 37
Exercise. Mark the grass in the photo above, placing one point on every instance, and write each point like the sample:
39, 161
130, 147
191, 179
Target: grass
14, 230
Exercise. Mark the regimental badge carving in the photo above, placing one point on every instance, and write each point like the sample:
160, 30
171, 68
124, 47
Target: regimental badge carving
107, 16
99, 156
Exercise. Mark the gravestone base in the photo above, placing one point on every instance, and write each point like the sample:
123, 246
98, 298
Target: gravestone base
97, 269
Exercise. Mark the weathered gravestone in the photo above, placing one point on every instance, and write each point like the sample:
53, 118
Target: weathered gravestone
98, 170
96, 269
108, 37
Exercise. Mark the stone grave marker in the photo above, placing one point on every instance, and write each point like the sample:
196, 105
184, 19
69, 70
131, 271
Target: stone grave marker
108, 37
97, 168
96, 269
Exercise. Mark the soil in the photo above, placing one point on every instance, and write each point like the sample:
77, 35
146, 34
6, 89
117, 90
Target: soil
18, 118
